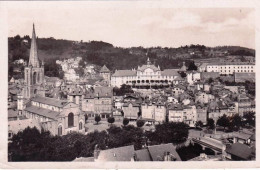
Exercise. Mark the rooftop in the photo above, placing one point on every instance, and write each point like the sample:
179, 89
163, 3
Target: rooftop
43, 112
124, 153
50, 101
239, 150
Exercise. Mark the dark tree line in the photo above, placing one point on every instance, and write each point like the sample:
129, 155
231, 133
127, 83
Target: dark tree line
33, 145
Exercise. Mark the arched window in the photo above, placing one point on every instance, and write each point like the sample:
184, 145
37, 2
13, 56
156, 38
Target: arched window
80, 125
35, 91
38, 77
34, 78
60, 130
70, 120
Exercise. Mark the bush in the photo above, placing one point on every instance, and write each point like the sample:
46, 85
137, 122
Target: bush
139, 123
97, 118
125, 121
111, 120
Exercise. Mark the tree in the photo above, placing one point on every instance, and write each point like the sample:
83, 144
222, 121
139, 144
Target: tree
171, 132
97, 118
139, 123
210, 80
128, 135
199, 124
125, 121
223, 121
111, 120
249, 118
236, 122
211, 124
124, 89
192, 66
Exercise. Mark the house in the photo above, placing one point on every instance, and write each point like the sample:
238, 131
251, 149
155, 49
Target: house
193, 77
123, 154
131, 110
175, 113
203, 97
103, 100
201, 113
239, 152
154, 112
162, 152
88, 104
12, 114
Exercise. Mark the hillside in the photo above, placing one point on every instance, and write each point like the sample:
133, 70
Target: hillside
100, 53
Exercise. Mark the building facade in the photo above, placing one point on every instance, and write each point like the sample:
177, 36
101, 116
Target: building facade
231, 68
146, 75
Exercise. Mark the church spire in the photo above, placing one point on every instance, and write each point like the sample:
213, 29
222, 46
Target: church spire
33, 60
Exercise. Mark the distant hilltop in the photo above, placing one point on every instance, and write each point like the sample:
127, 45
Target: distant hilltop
103, 53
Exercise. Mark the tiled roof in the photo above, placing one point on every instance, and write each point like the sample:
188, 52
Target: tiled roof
89, 95
76, 91
103, 91
133, 103
121, 73
12, 113
124, 153
143, 155
50, 101
104, 69
51, 79
230, 63
170, 72
239, 150
43, 112
175, 107
153, 67
83, 159
159, 151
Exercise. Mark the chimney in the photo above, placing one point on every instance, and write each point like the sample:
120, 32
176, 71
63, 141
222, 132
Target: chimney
134, 158
167, 156
96, 152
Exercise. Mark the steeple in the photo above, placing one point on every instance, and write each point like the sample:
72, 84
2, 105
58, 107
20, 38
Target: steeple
148, 61
33, 60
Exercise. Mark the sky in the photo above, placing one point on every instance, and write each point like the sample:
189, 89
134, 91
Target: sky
130, 26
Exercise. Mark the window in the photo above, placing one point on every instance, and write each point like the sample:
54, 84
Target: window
59, 130
71, 120
80, 125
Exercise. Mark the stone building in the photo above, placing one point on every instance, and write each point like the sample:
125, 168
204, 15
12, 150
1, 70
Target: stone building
58, 116
131, 110
147, 75
106, 74
33, 73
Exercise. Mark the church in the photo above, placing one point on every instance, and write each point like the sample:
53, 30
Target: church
60, 117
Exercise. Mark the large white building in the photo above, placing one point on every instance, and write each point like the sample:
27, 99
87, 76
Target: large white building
231, 68
146, 75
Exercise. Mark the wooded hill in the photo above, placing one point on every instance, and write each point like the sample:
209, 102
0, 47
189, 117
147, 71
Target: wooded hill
102, 53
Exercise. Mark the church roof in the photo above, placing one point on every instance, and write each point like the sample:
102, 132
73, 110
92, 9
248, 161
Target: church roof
43, 112
121, 73
104, 69
50, 101
33, 60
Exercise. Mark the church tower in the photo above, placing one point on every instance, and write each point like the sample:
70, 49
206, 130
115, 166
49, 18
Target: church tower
34, 73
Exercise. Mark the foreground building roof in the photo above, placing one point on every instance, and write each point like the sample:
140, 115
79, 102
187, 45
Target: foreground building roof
124, 153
